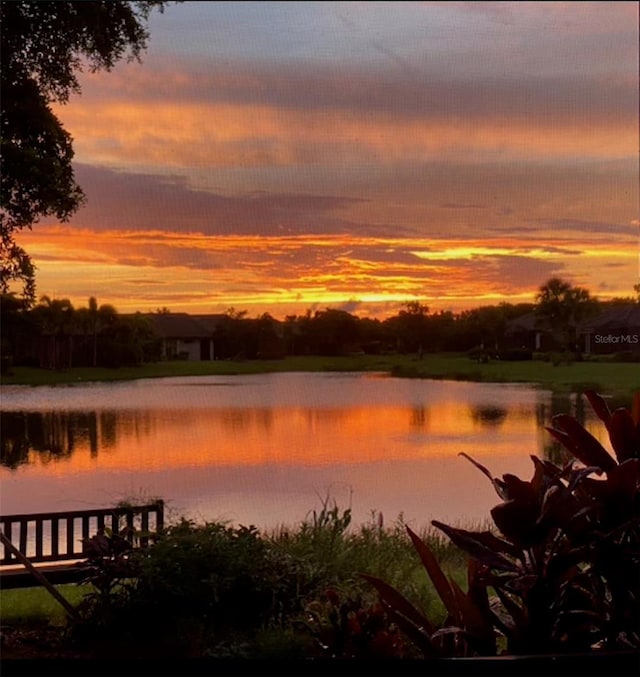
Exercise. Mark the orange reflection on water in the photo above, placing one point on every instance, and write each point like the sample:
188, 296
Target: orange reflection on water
300, 436
222, 452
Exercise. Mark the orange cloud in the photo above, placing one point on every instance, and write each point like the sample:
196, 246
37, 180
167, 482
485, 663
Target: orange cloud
191, 135
143, 270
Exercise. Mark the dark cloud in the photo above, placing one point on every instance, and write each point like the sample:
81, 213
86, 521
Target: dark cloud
145, 281
125, 201
585, 226
351, 306
614, 264
521, 271
453, 205
408, 92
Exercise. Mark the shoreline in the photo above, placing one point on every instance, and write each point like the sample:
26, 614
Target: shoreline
613, 378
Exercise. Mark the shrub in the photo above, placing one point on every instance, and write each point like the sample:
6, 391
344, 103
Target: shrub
626, 356
560, 571
516, 354
346, 626
565, 357
210, 589
480, 354
198, 586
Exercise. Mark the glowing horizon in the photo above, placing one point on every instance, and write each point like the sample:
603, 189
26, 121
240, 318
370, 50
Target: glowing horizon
279, 157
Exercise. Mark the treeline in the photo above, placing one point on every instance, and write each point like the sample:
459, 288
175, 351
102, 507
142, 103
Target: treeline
558, 310
54, 334
337, 332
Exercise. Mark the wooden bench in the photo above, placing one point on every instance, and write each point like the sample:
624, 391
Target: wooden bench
54, 542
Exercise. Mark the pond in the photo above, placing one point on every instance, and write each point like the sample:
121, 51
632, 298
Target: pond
268, 449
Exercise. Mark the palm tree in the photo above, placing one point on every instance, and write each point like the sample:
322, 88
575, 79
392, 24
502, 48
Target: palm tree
93, 319
55, 318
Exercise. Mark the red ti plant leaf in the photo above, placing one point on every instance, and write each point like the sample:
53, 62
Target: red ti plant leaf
483, 546
562, 437
517, 521
619, 493
479, 624
599, 406
515, 630
415, 625
477, 576
400, 604
498, 485
518, 490
416, 635
559, 507
622, 425
624, 435
437, 576
463, 611
583, 445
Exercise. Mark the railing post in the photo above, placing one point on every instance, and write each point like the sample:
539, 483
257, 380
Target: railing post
70, 534
23, 529
55, 537
7, 528
39, 536
160, 517
144, 527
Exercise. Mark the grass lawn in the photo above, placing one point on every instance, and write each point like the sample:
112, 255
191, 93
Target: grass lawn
28, 605
610, 378
607, 377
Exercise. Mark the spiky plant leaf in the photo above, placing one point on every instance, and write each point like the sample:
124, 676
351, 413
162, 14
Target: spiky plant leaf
400, 604
584, 446
599, 405
483, 546
437, 576
624, 435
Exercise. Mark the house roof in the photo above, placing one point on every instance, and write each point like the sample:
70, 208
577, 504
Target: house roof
179, 325
526, 322
210, 322
621, 317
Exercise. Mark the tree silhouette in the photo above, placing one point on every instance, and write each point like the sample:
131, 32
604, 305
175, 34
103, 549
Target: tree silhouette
43, 48
560, 307
55, 318
92, 320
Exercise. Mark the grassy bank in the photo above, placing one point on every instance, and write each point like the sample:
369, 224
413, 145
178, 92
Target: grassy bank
36, 605
230, 569
324, 544
613, 378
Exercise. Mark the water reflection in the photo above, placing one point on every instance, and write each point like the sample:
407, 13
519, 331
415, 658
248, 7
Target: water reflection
420, 417
488, 415
236, 435
42, 437
263, 451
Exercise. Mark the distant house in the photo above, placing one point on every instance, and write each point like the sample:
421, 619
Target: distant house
525, 332
614, 330
185, 336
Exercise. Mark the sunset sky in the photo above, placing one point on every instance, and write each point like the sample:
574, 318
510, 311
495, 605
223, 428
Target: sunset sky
276, 157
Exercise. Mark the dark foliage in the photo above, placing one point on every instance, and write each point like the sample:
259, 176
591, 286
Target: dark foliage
199, 588
561, 572
346, 626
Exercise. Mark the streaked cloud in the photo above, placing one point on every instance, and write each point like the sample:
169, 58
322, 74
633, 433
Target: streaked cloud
282, 155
